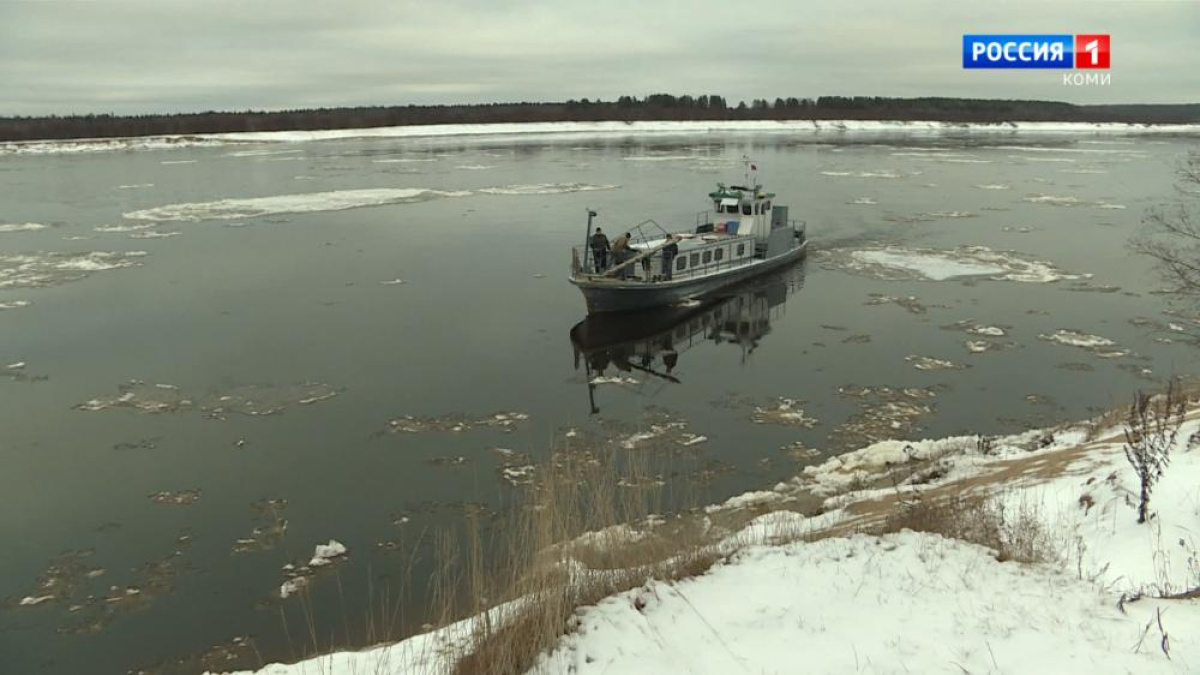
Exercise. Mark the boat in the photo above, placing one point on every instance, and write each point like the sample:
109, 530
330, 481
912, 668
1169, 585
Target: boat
641, 350
744, 235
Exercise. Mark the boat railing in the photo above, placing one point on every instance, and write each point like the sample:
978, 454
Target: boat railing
649, 268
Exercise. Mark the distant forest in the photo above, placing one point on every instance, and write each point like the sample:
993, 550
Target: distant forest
625, 108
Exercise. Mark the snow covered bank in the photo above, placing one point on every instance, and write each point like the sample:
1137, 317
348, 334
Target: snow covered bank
826, 593
577, 129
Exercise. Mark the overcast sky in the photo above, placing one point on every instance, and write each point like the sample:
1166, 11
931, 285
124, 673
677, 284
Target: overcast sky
130, 56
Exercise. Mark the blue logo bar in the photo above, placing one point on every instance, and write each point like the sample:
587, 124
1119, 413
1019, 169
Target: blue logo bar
1018, 51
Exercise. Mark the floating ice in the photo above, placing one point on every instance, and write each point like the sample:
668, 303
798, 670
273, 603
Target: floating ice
324, 554
886, 173
14, 304
124, 228
404, 160
544, 189
1099, 346
994, 186
260, 153
135, 186
179, 161
312, 202
32, 601
786, 412
1052, 200
864, 201
613, 380
475, 167
930, 363
392, 282
23, 227
42, 269
896, 263
154, 235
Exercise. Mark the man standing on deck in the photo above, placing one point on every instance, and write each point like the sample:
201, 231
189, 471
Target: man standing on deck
620, 251
600, 250
668, 259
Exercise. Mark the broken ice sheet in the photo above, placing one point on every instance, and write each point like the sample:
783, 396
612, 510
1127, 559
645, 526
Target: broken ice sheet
298, 575
269, 530
785, 412
253, 401
894, 263
176, 497
884, 413
16, 372
910, 302
1100, 346
456, 423
930, 363
45, 269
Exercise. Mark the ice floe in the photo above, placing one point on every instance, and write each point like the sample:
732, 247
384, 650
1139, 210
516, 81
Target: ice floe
930, 363
42, 269
312, 202
124, 228
885, 173
176, 497
252, 401
324, 554
994, 186
785, 412
614, 380
14, 304
1052, 200
865, 201
898, 264
409, 424
154, 235
135, 186
1100, 346
909, 302
23, 227
544, 189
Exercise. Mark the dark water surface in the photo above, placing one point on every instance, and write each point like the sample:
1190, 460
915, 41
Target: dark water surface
274, 309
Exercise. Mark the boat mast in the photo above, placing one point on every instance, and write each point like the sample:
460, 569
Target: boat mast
587, 241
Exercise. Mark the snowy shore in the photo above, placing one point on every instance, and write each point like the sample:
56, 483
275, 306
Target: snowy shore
815, 593
579, 130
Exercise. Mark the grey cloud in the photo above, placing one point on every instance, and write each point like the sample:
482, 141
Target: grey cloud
155, 55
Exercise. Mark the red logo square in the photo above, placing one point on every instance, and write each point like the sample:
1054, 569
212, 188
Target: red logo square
1092, 51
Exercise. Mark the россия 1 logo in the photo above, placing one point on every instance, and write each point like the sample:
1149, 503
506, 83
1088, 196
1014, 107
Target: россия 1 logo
1059, 51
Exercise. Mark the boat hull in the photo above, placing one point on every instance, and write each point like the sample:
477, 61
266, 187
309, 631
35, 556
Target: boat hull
616, 296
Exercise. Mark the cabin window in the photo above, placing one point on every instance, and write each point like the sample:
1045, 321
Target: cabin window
707, 257
681, 263
694, 259
746, 210
718, 254
732, 208
717, 206
741, 250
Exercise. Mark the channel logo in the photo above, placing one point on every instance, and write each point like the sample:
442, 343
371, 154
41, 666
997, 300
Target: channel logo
1063, 52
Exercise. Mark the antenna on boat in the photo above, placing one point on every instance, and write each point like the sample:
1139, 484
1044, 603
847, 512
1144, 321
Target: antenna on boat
587, 240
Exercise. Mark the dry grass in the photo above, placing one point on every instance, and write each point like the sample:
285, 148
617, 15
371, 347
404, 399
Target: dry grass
1012, 533
545, 570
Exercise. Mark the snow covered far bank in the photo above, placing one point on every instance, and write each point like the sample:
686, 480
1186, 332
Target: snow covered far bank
578, 129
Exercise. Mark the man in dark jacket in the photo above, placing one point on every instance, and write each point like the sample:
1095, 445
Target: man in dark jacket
600, 250
622, 252
668, 259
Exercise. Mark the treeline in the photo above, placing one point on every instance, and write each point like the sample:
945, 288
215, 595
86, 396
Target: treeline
625, 108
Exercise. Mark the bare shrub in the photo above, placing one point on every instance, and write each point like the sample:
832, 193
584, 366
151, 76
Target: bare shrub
1151, 427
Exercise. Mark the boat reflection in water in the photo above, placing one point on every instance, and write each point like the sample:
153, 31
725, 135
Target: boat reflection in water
646, 346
